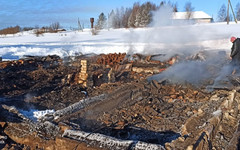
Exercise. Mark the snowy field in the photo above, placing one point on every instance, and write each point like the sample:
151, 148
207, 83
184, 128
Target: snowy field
153, 40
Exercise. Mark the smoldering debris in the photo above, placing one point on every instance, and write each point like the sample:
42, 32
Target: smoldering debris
121, 109
191, 72
198, 68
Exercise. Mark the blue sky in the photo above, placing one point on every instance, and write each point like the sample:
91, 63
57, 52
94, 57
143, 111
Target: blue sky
66, 12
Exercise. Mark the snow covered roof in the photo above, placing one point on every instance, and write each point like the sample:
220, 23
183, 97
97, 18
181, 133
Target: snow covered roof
195, 15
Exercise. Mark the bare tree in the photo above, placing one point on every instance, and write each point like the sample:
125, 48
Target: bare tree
80, 28
121, 15
138, 17
222, 14
174, 6
132, 17
238, 11
126, 16
146, 15
117, 19
55, 26
111, 19
102, 20
189, 9
162, 3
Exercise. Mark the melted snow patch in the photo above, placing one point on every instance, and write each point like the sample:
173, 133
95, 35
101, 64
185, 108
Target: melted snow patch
35, 114
39, 114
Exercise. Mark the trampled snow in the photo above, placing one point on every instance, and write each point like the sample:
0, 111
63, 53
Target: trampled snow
164, 39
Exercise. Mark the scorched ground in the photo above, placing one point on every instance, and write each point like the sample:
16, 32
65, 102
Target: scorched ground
117, 101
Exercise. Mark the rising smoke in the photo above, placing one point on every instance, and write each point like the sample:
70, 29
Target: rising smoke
170, 37
165, 35
211, 68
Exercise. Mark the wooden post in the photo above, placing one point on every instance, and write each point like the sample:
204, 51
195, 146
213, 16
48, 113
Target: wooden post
230, 4
235, 19
92, 21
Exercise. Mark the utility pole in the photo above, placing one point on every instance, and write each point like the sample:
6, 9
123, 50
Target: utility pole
229, 4
79, 26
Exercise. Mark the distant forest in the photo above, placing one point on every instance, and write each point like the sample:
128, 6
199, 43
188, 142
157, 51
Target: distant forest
140, 15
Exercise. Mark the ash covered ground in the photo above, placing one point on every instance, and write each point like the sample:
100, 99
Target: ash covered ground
120, 101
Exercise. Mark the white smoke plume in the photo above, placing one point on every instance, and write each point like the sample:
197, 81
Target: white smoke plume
170, 37
211, 66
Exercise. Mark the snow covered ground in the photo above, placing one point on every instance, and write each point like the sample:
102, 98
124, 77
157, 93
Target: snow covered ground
165, 39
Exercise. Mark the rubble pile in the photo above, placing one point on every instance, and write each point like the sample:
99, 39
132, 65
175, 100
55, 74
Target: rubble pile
159, 108
111, 102
111, 59
32, 74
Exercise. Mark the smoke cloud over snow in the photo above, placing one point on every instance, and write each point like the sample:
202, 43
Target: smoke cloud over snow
211, 66
186, 39
192, 72
168, 36
162, 17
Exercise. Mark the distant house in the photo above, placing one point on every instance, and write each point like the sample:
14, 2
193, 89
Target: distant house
195, 17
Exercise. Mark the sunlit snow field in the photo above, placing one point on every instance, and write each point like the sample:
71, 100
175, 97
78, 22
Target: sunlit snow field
152, 40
